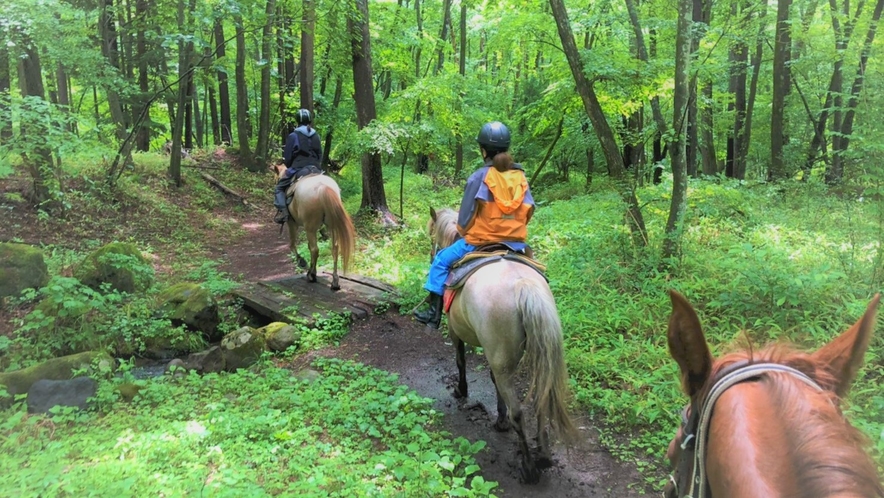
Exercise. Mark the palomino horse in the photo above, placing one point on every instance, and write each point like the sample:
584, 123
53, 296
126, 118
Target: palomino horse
507, 308
317, 201
777, 429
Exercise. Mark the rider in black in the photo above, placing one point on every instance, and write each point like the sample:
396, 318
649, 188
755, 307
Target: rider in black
302, 156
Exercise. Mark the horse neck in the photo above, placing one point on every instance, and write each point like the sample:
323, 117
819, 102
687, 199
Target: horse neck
779, 437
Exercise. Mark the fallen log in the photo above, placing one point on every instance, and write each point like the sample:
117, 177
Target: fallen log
227, 190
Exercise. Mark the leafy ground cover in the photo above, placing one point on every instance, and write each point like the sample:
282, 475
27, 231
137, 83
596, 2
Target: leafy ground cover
348, 431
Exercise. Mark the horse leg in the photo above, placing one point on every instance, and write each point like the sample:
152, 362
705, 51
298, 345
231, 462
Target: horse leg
503, 420
505, 389
314, 254
293, 244
336, 285
461, 390
544, 457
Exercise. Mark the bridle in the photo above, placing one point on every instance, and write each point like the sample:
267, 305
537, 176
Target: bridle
690, 472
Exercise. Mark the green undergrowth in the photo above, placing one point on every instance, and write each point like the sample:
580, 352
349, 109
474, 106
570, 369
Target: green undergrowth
350, 431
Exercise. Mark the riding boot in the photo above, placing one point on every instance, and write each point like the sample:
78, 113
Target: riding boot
281, 208
433, 315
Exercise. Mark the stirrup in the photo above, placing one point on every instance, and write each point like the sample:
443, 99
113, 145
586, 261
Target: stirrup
281, 216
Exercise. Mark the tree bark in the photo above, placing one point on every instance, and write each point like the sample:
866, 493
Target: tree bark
373, 195
142, 139
109, 48
841, 140
443, 36
262, 149
781, 83
243, 121
326, 150
5, 118
226, 124
600, 123
462, 69
738, 56
677, 152
307, 38
39, 159
185, 75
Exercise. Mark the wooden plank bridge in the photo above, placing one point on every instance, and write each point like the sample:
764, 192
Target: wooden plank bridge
281, 299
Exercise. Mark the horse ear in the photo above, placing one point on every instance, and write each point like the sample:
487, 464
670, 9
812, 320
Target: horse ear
433, 214
687, 345
843, 356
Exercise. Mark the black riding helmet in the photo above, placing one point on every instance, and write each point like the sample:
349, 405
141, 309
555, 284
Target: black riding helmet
304, 117
494, 137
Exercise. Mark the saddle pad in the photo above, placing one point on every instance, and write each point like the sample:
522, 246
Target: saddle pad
447, 299
466, 266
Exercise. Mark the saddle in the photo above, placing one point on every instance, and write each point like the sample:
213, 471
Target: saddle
300, 173
463, 268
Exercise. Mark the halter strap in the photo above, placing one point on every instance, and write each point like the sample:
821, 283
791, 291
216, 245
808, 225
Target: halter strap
698, 476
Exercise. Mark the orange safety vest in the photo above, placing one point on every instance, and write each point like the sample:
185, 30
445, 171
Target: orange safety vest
505, 217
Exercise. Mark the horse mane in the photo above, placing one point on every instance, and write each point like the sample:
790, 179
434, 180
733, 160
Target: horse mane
443, 230
829, 452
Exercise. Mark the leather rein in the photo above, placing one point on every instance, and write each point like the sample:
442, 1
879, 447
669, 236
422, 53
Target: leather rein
696, 426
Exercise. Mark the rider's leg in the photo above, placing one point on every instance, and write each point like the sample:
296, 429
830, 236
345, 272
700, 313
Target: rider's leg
436, 281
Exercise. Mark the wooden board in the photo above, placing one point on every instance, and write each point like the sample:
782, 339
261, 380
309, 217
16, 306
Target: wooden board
280, 299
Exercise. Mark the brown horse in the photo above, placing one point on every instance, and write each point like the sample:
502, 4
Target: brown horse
777, 429
508, 309
317, 202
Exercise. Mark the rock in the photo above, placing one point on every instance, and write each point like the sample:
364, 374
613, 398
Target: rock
21, 267
241, 348
45, 394
280, 336
190, 304
208, 361
119, 264
20, 381
307, 375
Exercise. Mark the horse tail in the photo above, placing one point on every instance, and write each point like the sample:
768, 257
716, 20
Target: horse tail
545, 357
339, 223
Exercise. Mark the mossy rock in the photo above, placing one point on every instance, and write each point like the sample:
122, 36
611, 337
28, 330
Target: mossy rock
62, 368
190, 304
242, 348
280, 336
21, 267
119, 264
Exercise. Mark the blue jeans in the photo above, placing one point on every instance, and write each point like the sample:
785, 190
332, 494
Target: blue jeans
442, 263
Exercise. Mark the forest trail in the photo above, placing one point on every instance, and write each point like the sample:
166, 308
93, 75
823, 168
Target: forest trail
424, 360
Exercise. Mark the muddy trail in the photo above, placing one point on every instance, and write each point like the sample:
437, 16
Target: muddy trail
424, 360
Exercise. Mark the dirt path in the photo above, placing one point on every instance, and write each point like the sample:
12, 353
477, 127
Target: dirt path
424, 360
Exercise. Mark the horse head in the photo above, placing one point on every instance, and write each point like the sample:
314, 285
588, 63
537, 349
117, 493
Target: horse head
777, 429
278, 169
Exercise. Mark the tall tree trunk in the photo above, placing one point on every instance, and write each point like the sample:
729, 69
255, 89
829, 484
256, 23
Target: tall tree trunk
109, 48
226, 123
39, 162
600, 123
755, 63
642, 53
5, 81
443, 36
198, 130
188, 112
307, 37
373, 195
462, 69
243, 122
282, 83
842, 138
142, 138
211, 98
781, 82
262, 150
681, 95
326, 151
185, 75
61, 77
738, 56
707, 136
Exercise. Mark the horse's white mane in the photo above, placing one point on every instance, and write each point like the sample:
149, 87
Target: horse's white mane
444, 229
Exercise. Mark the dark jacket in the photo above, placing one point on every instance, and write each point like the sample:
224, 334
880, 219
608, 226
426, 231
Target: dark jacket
310, 151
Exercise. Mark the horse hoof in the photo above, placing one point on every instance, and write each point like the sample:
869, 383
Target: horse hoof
459, 395
311, 277
302, 263
530, 475
502, 426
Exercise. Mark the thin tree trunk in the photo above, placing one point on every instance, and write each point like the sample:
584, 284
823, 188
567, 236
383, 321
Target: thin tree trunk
600, 124
262, 150
5, 118
443, 36
681, 95
549, 151
243, 122
142, 139
462, 69
109, 48
781, 84
326, 151
64, 96
185, 75
226, 124
306, 71
198, 122
188, 113
755, 63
